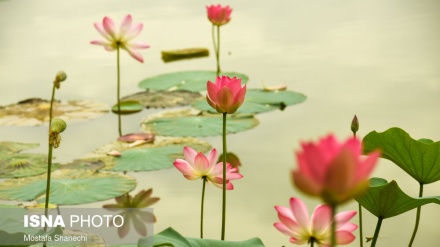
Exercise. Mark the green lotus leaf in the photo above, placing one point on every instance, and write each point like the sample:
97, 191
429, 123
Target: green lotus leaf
148, 156
162, 99
170, 237
386, 200
35, 111
7, 148
81, 164
194, 81
148, 159
24, 165
128, 107
198, 125
420, 159
68, 187
258, 101
189, 53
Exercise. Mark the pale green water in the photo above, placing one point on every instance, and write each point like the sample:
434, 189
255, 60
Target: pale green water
377, 59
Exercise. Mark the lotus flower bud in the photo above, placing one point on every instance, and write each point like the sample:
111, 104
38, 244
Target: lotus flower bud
57, 126
355, 125
61, 76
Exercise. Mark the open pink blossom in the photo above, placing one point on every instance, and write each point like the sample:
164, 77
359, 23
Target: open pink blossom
219, 15
226, 95
295, 222
197, 165
332, 170
121, 39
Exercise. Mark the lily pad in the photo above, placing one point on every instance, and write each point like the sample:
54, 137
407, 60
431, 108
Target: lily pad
170, 237
148, 159
194, 81
68, 187
24, 165
14, 164
148, 156
15, 147
81, 164
163, 99
189, 53
386, 200
259, 100
420, 159
128, 107
198, 125
34, 111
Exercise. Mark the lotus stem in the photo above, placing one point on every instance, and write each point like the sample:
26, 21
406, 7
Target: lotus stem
376, 232
216, 46
224, 178
202, 206
361, 234
333, 225
419, 211
118, 91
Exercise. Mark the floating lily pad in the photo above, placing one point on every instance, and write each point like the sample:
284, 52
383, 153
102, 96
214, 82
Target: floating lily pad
194, 81
82, 164
259, 100
128, 107
163, 99
170, 237
68, 187
33, 112
148, 156
175, 55
420, 159
24, 165
386, 200
198, 125
14, 164
7, 148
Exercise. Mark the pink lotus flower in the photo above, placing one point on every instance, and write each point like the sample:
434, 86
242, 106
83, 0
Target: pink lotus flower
295, 222
197, 165
226, 95
123, 38
219, 15
332, 170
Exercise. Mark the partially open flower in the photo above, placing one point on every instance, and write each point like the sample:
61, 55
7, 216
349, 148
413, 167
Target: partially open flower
121, 39
295, 223
332, 170
218, 14
197, 165
225, 95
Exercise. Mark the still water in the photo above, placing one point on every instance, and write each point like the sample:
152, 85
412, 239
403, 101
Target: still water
377, 59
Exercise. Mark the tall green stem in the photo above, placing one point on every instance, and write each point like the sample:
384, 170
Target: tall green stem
376, 232
333, 226
118, 91
361, 234
49, 170
216, 46
51, 105
224, 177
419, 210
201, 211
312, 243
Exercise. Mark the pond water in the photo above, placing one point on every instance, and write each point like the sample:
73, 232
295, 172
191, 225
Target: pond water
377, 59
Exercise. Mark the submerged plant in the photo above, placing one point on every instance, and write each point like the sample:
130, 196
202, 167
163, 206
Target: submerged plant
197, 165
218, 16
122, 39
295, 222
131, 212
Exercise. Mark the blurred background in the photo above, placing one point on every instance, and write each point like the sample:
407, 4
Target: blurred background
377, 59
